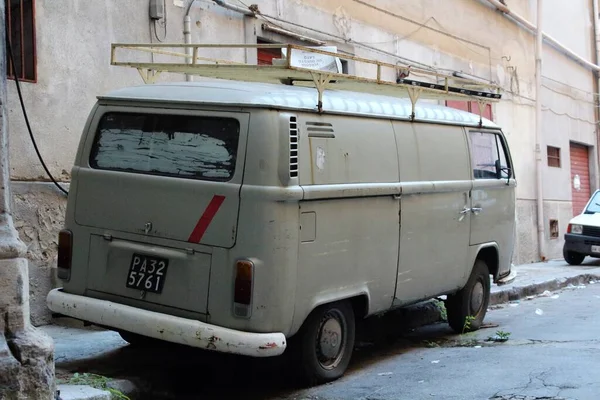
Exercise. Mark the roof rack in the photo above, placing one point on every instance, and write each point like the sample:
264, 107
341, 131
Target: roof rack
377, 77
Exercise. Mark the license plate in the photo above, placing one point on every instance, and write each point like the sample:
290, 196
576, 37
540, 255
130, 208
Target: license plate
595, 249
147, 273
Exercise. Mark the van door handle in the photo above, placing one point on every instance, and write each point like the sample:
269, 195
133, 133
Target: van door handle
476, 210
463, 212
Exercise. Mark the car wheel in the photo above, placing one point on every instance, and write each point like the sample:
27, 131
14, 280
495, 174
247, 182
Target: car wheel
323, 346
466, 309
573, 258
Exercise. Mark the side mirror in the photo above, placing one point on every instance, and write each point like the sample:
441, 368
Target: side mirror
498, 169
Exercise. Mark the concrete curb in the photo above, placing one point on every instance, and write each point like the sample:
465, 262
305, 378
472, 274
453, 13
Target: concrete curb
85, 392
520, 292
428, 312
81, 392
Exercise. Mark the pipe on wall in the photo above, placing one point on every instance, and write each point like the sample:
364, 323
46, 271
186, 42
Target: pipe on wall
538, 133
187, 37
596, 22
235, 8
549, 39
285, 32
187, 27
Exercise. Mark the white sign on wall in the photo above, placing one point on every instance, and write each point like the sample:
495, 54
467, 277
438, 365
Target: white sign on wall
310, 60
577, 183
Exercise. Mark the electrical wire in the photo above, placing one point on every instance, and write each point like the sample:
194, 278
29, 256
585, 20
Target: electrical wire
14, 67
401, 38
365, 45
442, 31
570, 96
271, 19
570, 87
422, 25
569, 115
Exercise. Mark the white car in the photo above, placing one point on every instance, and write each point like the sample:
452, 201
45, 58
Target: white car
583, 233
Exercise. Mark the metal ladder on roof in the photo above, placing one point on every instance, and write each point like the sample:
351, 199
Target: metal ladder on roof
378, 78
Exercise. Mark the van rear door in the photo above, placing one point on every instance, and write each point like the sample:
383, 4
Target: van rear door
153, 185
171, 174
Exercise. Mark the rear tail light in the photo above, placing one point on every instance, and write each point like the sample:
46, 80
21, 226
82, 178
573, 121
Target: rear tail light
242, 292
65, 254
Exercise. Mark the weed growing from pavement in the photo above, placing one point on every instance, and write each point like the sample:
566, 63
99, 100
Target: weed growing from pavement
501, 336
467, 325
96, 381
442, 307
467, 343
431, 344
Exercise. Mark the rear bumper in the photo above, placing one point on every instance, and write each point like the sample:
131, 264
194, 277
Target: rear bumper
166, 327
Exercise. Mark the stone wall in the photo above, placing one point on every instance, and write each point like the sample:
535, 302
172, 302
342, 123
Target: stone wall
26, 354
39, 210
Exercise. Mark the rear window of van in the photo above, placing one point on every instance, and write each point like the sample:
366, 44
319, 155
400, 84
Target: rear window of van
183, 146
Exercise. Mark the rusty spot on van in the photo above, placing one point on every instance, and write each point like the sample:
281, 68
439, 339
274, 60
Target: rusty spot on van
268, 346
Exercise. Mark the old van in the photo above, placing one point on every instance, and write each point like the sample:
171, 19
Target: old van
232, 216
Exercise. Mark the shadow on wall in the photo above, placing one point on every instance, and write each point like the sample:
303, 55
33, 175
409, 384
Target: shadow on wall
39, 214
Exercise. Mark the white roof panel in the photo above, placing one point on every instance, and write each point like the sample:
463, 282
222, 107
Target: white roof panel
253, 94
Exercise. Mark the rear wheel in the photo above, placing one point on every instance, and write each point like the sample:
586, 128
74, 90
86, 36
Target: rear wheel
573, 258
323, 347
466, 309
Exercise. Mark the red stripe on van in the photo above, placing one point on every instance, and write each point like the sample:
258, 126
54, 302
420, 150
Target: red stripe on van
206, 219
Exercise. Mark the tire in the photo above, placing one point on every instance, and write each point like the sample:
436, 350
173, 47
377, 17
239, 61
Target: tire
315, 354
471, 301
573, 258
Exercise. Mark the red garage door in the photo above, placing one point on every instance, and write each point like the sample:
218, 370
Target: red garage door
580, 177
472, 107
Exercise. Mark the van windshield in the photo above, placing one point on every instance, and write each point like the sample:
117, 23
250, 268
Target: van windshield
183, 146
594, 206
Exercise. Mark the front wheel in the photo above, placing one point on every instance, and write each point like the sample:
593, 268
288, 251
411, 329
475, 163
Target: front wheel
323, 346
466, 309
573, 258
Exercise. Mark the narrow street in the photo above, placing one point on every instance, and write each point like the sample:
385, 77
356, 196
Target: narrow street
552, 353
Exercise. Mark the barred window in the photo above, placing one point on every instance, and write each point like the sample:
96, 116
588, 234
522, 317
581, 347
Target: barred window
20, 21
553, 156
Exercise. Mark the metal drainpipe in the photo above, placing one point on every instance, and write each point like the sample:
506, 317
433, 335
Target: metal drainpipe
235, 8
596, 21
529, 26
187, 28
187, 37
538, 133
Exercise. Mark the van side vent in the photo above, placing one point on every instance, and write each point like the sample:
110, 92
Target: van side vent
320, 130
293, 147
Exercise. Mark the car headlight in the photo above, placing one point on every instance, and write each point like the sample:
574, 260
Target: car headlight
577, 229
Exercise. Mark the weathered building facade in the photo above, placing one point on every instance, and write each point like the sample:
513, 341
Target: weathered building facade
65, 52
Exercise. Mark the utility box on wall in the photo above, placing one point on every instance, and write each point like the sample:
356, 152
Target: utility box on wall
157, 9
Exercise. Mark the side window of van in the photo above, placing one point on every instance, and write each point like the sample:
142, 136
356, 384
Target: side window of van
488, 156
183, 146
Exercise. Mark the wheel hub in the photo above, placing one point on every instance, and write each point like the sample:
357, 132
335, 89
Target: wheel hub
477, 298
330, 340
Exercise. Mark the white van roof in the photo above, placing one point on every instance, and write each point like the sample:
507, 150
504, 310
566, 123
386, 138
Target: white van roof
251, 94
